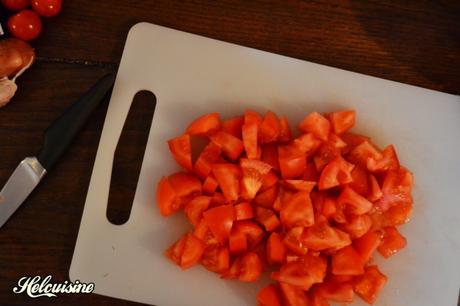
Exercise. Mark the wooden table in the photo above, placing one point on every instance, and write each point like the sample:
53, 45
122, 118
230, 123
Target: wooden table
413, 43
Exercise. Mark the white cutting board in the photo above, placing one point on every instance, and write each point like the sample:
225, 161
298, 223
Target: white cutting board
192, 75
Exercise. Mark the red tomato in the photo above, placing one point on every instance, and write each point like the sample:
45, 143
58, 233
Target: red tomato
175, 251
25, 25
253, 173
337, 292
267, 197
210, 185
310, 173
209, 156
15, 5
370, 284
322, 236
353, 203
299, 185
337, 172
267, 218
269, 180
195, 208
398, 214
220, 221
292, 161
353, 140
250, 268
276, 250
244, 211
396, 189
270, 156
392, 242
237, 242
326, 153
285, 130
347, 262
388, 161
269, 296
342, 121
181, 150
250, 132
204, 125
375, 192
233, 126
316, 300
187, 251
357, 226
185, 185
230, 145
294, 242
228, 176
360, 182
307, 143
367, 244
166, 198
216, 259
47, 8
270, 128
253, 232
317, 124
363, 152
293, 296
298, 210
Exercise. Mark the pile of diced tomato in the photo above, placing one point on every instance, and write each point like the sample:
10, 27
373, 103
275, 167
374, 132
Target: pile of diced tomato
311, 208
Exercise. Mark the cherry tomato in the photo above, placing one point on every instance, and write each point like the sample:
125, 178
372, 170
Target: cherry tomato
25, 25
15, 5
47, 8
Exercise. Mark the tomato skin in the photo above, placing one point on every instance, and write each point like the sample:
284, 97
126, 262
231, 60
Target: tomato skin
392, 242
181, 150
342, 121
317, 124
276, 250
233, 126
185, 185
203, 125
347, 262
270, 156
47, 8
250, 132
237, 242
360, 182
269, 296
370, 284
298, 210
166, 198
270, 128
25, 25
285, 130
209, 156
15, 5
220, 221
251, 268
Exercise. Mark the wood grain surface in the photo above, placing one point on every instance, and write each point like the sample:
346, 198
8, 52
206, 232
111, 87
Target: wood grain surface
415, 42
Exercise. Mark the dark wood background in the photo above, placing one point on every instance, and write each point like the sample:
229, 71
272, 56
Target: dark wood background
415, 42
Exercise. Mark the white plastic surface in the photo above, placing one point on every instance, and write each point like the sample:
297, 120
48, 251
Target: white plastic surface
191, 75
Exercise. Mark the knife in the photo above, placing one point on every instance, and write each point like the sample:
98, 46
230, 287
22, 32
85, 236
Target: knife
57, 138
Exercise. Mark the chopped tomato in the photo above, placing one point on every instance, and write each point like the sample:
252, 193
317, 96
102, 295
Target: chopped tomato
307, 143
250, 132
375, 193
230, 145
396, 189
317, 300
267, 218
253, 232
360, 182
218, 199
269, 296
202, 232
166, 198
369, 285
195, 208
285, 130
392, 242
357, 226
185, 185
209, 156
354, 203
253, 173
347, 262
210, 185
322, 236
276, 250
317, 124
204, 124
292, 161
311, 173
228, 176
244, 211
233, 126
251, 268
388, 161
270, 156
337, 172
187, 251
216, 259
363, 152
267, 197
297, 210
337, 292
398, 214
237, 242
220, 220
353, 140
293, 241
181, 150
175, 251
342, 121
270, 128
293, 296
325, 154
367, 244
299, 185
270, 179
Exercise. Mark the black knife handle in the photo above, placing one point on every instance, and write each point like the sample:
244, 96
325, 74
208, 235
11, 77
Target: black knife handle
61, 133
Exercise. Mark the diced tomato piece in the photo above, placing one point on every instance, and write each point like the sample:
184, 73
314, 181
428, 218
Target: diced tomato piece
353, 202
285, 130
244, 211
218, 199
230, 145
357, 226
293, 296
337, 172
195, 208
305, 272
360, 182
342, 121
216, 259
237, 242
251, 268
202, 232
228, 176
325, 154
336, 142
347, 262
210, 185
396, 189
204, 124
270, 156
293, 241
253, 232
363, 152
209, 156
220, 220
292, 161
398, 214
270, 179
267, 197
234, 270
297, 210
185, 184
175, 251
250, 132
270, 128
367, 244
166, 198
317, 300
193, 250
352, 140
388, 161
322, 236
251, 116
307, 143
369, 285
392, 242
340, 278
375, 193
317, 124
329, 208
181, 150
299, 185
269, 296
254, 172
233, 126
267, 218
276, 250
337, 292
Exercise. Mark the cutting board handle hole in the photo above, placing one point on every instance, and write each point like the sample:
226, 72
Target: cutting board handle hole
128, 157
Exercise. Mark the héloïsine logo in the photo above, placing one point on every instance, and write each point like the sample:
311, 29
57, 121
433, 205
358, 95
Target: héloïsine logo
37, 286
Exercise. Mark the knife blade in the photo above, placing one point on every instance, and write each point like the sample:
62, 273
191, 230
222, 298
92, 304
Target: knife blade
58, 136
